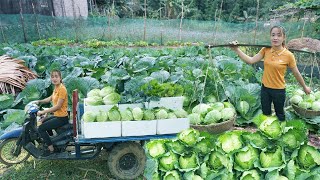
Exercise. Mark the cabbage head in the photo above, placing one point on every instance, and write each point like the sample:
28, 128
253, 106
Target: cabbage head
156, 148
250, 175
126, 115
317, 95
111, 99
210, 99
256, 139
137, 113
114, 114
102, 116
106, 90
188, 161
309, 98
296, 99
243, 107
171, 115
218, 160
230, 141
94, 101
204, 146
148, 114
298, 92
217, 106
189, 136
172, 175
305, 105
201, 109
212, 117
93, 92
246, 157
89, 116
308, 157
227, 113
270, 159
168, 161
315, 106
271, 126
194, 118
161, 114
176, 146
180, 113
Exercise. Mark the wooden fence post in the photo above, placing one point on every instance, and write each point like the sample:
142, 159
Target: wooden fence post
22, 23
37, 22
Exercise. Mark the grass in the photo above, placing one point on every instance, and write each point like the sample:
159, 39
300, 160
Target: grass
94, 169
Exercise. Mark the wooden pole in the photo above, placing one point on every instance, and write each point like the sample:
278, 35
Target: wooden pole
2, 33
182, 14
54, 24
145, 20
22, 23
37, 22
256, 28
302, 31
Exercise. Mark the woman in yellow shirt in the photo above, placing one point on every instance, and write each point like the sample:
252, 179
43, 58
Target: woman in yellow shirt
59, 109
276, 60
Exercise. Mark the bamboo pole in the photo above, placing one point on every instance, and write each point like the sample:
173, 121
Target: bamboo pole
216, 27
256, 28
37, 22
2, 33
22, 22
304, 23
54, 24
145, 20
182, 14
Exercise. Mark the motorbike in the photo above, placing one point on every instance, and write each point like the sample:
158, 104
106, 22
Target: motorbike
126, 156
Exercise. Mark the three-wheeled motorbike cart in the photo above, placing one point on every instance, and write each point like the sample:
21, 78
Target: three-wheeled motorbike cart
126, 156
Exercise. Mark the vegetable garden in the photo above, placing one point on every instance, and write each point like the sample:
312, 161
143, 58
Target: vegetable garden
210, 81
125, 78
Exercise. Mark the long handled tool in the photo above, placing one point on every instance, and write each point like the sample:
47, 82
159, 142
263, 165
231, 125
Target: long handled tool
253, 45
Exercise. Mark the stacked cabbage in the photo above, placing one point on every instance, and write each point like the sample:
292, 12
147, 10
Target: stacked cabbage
106, 95
310, 101
205, 114
133, 114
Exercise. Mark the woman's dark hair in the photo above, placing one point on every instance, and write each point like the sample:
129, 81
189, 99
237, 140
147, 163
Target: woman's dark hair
283, 32
58, 72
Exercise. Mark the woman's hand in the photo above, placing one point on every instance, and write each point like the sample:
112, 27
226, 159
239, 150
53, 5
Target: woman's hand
39, 113
234, 45
307, 90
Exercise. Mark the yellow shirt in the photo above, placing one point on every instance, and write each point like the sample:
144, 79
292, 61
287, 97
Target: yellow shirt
60, 93
275, 67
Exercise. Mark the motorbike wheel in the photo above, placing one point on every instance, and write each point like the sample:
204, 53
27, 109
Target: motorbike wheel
7, 148
126, 160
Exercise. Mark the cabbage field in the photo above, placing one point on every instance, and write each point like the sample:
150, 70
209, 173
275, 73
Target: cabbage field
216, 87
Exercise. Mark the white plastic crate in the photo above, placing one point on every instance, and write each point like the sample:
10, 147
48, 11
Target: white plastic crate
172, 126
97, 108
167, 102
139, 128
101, 129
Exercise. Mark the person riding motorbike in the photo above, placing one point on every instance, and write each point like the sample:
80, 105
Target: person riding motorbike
59, 99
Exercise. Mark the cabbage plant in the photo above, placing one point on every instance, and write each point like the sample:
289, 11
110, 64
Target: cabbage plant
189, 137
230, 141
245, 158
188, 162
156, 148
250, 175
168, 161
272, 159
308, 157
